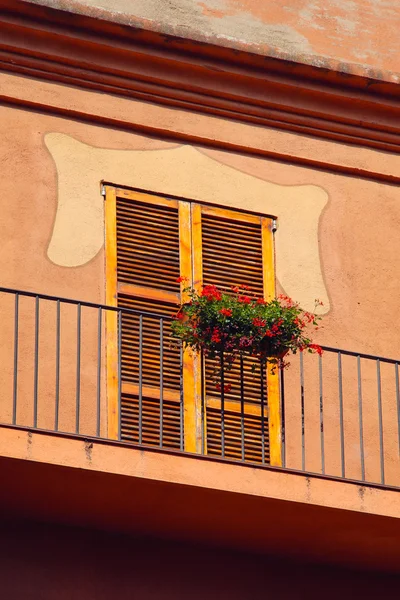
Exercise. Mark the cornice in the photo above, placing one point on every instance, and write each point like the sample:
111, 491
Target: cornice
89, 53
180, 21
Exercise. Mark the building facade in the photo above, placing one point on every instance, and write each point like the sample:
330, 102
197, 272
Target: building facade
227, 143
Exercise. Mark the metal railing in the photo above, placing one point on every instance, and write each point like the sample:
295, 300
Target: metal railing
346, 409
340, 412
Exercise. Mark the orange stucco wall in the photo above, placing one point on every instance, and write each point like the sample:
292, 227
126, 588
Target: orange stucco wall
358, 242
354, 250
44, 562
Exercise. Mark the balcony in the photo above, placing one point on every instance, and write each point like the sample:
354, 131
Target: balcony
69, 454
339, 412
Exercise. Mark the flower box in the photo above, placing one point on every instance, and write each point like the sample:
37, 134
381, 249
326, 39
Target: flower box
238, 322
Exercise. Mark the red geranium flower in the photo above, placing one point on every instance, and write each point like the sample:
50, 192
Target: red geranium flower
286, 299
226, 312
211, 292
317, 348
259, 322
216, 336
181, 279
244, 299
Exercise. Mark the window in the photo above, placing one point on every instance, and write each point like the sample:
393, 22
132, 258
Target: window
150, 242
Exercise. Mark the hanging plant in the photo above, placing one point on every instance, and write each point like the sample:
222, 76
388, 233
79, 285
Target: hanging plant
240, 323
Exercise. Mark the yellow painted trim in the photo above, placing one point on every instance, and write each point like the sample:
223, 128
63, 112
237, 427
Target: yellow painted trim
191, 416
197, 270
197, 247
235, 406
268, 256
274, 416
145, 198
142, 292
110, 217
225, 213
274, 403
151, 392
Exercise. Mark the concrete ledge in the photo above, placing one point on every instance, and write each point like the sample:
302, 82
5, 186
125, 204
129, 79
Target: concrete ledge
182, 497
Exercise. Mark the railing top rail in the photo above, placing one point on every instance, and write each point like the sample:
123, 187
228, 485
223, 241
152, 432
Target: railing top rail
383, 359
83, 303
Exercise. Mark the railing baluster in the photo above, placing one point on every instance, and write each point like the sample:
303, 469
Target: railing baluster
321, 414
58, 335
119, 407
360, 418
242, 408
78, 367
36, 365
222, 405
396, 371
140, 378
161, 381
262, 413
380, 416
341, 414
181, 407
203, 405
303, 432
282, 396
15, 377
99, 357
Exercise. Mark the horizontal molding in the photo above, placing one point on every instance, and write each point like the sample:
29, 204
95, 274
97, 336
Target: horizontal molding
272, 117
201, 130
83, 53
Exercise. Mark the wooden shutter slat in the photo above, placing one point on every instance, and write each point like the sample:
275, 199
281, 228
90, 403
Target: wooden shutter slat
241, 229
144, 232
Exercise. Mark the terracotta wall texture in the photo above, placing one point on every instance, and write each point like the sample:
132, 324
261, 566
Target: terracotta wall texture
348, 255
356, 245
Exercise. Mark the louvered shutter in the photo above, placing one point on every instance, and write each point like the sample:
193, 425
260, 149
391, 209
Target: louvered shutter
148, 265
233, 252
150, 242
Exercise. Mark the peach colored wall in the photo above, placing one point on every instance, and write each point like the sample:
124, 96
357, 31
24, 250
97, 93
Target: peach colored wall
28, 209
358, 228
357, 254
44, 562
